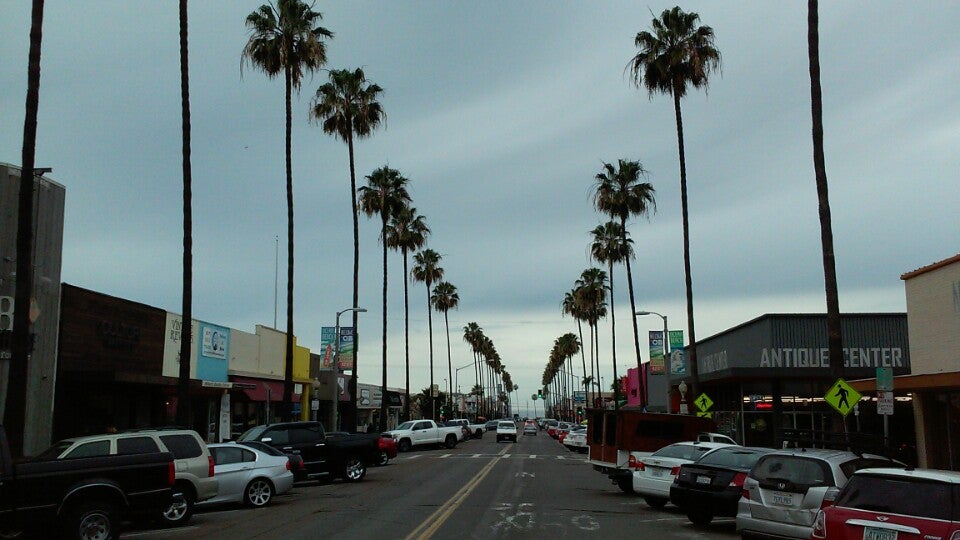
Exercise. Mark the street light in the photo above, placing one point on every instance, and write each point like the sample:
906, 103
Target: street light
666, 342
336, 362
456, 377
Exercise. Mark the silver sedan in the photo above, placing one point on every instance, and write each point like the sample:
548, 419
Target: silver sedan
248, 475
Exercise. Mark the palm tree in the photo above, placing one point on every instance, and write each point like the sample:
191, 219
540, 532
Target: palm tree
444, 299
568, 345
406, 231
427, 269
285, 39
834, 336
677, 53
573, 307
183, 382
16, 405
620, 194
347, 106
472, 334
384, 195
591, 294
608, 247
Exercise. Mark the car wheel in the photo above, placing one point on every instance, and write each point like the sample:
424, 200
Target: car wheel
655, 502
451, 442
258, 492
626, 485
179, 511
404, 445
700, 519
384, 459
354, 469
95, 520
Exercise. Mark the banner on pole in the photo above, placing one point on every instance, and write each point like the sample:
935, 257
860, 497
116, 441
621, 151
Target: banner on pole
656, 352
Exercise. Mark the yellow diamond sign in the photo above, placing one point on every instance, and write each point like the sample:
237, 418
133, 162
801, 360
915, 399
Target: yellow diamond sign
842, 397
703, 402
705, 414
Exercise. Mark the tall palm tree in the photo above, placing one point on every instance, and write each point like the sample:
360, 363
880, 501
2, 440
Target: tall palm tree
621, 194
568, 346
678, 52
592, 295
407, 231
471, 334
834, 336
285, 39
444, 299
16, 406
574, 308
427, 269
183, 382
348, 108
608, 247
385, 194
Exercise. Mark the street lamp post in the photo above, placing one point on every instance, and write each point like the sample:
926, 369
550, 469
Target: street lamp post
336, 362
666, 340
456, 377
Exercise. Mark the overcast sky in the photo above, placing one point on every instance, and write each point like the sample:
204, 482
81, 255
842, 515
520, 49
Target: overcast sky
500, 114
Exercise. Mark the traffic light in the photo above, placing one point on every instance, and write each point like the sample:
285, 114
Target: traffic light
539, 393
579, 412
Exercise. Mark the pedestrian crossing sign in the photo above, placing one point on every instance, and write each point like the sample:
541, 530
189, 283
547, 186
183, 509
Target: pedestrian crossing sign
842, 397
702, 414
703, 402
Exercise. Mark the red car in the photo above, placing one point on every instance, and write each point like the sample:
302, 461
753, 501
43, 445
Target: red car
893, 504
388, 450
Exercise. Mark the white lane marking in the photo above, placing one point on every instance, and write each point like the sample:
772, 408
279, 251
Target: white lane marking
414, 457
533, 456
445, 456
523, 474
477, 455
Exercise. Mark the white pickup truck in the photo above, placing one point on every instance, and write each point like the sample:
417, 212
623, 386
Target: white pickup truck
420, 432
476, 430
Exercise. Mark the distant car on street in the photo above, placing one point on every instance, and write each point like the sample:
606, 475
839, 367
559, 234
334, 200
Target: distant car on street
506, 430
530, 428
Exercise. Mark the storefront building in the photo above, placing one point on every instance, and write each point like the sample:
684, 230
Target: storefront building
933, 310
767, 377
368, 407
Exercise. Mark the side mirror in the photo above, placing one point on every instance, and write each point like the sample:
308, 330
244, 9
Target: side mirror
266, 440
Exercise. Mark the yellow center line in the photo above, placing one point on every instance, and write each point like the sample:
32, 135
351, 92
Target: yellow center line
432, 524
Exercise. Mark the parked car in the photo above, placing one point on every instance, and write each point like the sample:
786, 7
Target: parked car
476, 428
785, 489
506, 430
491, 425
653, 475
465, 433
388, 449
249, 475
576, 440
893, 504
195, 480
70, 497
530, 428
296, 462
715, 437
553, 430
712, 485
346, 456
424, 432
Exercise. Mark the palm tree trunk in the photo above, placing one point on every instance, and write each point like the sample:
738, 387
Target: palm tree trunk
350, 418
406, 337
288, 358
688, 280
636, 332
15, 409
433, 400
383, 387
834, 336
183, 382
583, 360
593, 375
446, 321
613, 341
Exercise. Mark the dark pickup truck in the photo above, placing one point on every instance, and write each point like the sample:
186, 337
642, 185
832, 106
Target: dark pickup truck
82, 497
346, 456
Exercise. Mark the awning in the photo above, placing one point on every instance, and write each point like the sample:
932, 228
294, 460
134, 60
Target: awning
258, 392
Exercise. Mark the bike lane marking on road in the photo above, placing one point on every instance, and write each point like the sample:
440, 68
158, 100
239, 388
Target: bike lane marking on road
432, 524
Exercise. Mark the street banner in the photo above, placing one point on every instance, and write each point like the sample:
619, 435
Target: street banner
676, 340
656, 352
327, 336
345, 359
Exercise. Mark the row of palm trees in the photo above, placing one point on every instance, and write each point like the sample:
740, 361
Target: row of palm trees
487, 367
558, 376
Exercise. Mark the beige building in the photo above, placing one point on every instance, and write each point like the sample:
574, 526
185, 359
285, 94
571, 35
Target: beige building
933, 322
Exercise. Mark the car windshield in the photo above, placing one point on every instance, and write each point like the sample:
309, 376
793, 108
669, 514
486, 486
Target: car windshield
733, 458
507, 425
252, 434
406, 426
905, 496
681, 451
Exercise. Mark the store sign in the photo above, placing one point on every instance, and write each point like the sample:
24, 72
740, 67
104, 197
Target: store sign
171, 347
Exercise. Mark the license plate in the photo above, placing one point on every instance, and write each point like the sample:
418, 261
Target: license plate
656, 472
783, 499
703, 479
873, 533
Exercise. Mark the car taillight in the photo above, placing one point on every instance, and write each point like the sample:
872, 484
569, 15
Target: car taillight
745, 494
819, 526
171, 474
738, 480
288, 464
674, 471
829, 496
209, 466
635, 463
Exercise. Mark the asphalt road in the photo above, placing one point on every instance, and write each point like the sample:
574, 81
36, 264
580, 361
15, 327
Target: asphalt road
481, 489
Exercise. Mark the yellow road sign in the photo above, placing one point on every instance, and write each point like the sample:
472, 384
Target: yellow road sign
703, 402
703, 414
842, 397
